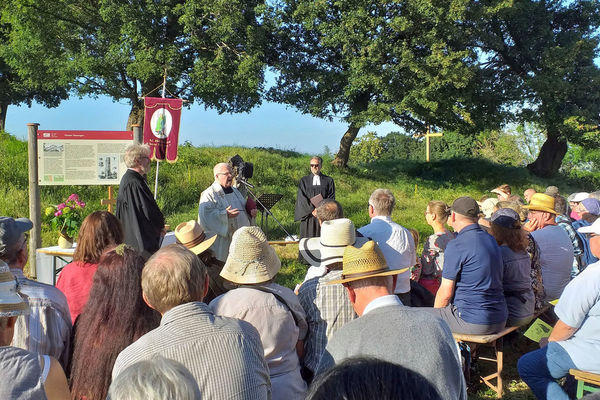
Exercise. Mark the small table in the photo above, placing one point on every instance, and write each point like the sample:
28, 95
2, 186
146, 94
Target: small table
51, 260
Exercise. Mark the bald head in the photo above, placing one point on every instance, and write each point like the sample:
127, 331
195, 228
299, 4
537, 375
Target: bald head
528, 193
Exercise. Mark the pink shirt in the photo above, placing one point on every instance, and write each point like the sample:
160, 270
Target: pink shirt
75, 281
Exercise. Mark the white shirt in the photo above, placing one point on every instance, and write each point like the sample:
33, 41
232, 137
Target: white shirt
383, 301
316, 180
397, 245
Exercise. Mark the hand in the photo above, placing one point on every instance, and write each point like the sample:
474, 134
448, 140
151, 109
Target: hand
531, 225
232, 212
253, 212
314, 213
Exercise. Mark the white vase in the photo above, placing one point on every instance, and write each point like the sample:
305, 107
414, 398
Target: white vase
65, 242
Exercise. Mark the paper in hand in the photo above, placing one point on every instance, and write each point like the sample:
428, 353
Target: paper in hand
538, 330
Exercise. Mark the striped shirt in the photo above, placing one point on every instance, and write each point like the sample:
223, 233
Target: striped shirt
225, 355
47, 327
327, 309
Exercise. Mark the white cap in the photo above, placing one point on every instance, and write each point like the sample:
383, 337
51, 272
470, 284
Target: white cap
593, 228
579, 197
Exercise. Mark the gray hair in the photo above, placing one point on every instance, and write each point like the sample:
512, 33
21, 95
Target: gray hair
156, 379
383, 202
318, 159
134, 153
328, 210
173, 276
217, 168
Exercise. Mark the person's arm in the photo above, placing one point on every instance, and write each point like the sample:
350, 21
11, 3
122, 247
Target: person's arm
56, 386
444, 293
561, 331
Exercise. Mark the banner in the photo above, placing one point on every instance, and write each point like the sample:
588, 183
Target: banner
82, 157
161, 127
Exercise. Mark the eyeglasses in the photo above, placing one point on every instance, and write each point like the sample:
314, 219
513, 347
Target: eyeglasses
314, 165
224, 173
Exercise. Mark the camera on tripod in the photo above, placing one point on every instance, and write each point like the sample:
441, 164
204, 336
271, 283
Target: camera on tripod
242, 170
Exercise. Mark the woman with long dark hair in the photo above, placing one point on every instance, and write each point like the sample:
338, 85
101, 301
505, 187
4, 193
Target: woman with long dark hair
98, 231
114, 316
513, 241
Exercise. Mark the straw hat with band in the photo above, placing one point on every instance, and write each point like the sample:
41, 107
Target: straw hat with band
364, 262
541, 202
251, 258
191, 235
329, 247
11, 302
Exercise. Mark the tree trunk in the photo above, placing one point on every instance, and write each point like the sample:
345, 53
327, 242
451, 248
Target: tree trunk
136, 115
550, 158
3, 108
341, 158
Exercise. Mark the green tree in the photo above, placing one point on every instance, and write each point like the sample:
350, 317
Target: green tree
541, 54
370, 61
367, 149
14, 90
212, 51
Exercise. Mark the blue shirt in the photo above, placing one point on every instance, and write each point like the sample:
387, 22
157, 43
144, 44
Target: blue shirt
474, 262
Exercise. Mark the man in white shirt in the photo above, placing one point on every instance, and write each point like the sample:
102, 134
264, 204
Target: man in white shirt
222, 210
394, 240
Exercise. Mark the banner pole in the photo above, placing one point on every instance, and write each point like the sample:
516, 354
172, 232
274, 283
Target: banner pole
164, 89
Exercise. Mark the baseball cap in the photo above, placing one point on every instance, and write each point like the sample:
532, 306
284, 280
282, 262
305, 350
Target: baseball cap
507, 218
11, 230
466, 206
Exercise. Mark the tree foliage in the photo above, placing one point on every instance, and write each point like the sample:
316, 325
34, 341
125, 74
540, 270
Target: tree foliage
44, 88
212, 51
374, 61
541, 54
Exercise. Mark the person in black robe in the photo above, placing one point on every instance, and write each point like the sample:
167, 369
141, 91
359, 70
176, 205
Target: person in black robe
143, 222
309, 189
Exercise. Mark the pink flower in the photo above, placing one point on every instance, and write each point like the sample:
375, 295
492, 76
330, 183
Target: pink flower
58, 213
81, 204
61, 206
73, 197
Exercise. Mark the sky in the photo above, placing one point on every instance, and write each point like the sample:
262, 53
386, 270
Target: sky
270, 125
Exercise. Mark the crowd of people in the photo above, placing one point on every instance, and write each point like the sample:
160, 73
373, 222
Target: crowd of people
204, 318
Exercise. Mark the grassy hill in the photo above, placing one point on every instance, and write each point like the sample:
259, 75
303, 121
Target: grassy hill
278, 171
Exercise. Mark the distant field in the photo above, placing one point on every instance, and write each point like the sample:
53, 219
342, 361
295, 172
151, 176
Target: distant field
277, 171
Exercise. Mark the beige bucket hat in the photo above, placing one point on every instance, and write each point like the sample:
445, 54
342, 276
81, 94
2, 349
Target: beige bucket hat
251, 258
192, 236
11, 302
364, 262
329, 247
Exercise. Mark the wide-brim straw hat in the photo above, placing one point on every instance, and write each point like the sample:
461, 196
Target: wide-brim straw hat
251, 258
366, 261
329, 247
11, 303
541, 202
192, 236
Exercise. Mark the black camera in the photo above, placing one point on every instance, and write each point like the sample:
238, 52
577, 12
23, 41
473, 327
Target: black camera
241, 169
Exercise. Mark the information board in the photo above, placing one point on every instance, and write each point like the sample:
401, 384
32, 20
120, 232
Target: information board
82, 157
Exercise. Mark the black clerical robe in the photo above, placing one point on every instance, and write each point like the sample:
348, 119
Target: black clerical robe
139, 214
309, 225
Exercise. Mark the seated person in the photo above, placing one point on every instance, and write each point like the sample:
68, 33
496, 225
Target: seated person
472, 276
24, 375
513, 241
574, 341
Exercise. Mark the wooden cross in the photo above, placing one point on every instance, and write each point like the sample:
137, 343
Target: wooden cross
111, 201
427, 136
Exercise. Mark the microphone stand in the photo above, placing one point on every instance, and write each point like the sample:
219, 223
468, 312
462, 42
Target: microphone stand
248, 186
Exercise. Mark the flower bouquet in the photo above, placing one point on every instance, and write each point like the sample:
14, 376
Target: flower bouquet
66, 218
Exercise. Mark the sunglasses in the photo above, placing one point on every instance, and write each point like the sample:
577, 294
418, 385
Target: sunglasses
314, 165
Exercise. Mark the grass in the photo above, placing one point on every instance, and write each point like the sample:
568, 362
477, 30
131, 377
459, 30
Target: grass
278, 171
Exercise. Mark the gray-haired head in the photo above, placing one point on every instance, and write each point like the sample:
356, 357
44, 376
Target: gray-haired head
135, 153
156, 379
382, 201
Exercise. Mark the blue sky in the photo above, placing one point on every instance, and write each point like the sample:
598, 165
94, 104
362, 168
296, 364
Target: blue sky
270, 125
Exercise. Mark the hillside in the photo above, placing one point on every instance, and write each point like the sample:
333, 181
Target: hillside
278, 171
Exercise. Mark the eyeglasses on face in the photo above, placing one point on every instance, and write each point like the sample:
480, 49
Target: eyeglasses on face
314, 165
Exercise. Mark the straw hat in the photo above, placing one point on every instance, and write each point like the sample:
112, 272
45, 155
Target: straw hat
11, 303
365, 262
541, 202
191, 235
251, 259
329, 247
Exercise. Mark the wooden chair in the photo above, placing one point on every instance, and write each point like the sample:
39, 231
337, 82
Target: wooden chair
584, 381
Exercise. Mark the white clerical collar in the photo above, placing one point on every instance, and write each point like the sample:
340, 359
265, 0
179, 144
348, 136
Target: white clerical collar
383, 301
316, 180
